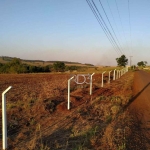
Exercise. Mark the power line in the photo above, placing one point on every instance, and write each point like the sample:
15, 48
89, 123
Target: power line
103, 25
106, 27
130, 24
110, 23
100, 23
113, 18
121, 21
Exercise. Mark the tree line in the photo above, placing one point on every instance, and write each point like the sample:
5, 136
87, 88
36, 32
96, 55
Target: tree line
16, 66
123, 61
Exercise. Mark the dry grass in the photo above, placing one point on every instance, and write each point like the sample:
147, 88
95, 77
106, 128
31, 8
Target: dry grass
38, 118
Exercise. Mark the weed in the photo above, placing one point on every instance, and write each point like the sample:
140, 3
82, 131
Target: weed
32, 101
112, 98
32, 121
79, 147
50, 105
44, 147
115, 109
122, 146
87, 137
57, 145
108, 119
79, 110
96, 101
11, 105
102, 98
41, 145
93, 131
90, 135
74, 133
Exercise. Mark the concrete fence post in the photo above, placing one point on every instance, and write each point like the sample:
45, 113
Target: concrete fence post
117, 74
122, 71
119, 71
114, 76
91, 84
4, 118
102, 79
127, 69
109, 77
69, 92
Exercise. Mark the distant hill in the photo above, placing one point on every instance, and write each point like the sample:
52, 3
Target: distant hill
5, 59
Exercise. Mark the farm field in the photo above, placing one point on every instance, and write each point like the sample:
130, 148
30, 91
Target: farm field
38, 117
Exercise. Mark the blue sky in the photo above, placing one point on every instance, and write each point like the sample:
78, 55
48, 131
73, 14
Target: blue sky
67, 30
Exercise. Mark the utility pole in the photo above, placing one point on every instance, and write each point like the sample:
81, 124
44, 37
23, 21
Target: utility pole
130, 60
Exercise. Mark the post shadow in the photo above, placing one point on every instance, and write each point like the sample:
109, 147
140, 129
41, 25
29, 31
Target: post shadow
137, 95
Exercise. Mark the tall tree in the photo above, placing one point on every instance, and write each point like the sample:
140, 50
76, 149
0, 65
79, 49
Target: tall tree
59, 66
142, 63
122, 61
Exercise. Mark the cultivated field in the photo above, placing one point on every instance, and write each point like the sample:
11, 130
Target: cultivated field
38, 118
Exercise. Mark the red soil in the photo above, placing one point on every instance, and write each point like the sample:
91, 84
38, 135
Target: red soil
140, 106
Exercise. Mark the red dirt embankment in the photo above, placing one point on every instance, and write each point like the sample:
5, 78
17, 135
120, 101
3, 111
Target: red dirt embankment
140, 105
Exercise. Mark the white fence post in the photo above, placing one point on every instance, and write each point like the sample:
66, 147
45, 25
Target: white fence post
114, 75
127, 68
69, 92
122, 71
91, 84
109, 76
117, 74
4, 118
102, 79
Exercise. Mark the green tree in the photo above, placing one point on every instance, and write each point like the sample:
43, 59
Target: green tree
122, 61
142, 63
59, 66
15, 61
15, 66
46, 68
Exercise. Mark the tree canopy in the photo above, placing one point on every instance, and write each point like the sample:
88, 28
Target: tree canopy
16, 66
122, 61
59, 66
142, 63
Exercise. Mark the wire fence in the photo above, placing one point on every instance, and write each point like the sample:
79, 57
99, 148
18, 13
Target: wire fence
37, 107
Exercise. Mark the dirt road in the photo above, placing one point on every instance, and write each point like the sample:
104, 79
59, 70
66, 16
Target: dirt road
140, 107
